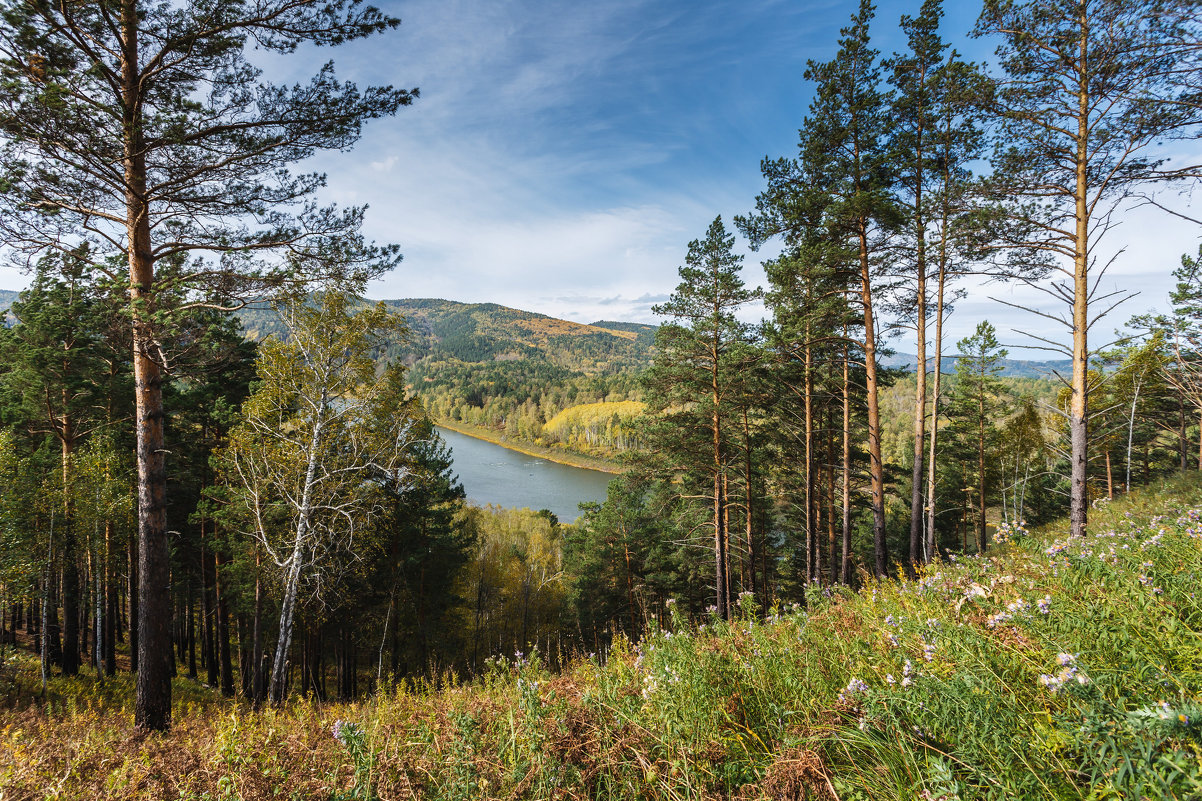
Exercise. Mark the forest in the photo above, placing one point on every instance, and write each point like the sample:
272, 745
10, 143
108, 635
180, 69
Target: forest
219, 462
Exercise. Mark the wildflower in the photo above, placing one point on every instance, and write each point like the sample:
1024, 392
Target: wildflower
1064, 660
889, 679
345, 731
1044, 604
1183, 718
928, 652
854, 687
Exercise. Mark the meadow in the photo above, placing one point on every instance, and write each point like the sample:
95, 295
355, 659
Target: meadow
1050, 668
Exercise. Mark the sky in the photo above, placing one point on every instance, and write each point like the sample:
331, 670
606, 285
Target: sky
564, 152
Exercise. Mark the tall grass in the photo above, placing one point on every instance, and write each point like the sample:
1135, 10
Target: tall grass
1050, 668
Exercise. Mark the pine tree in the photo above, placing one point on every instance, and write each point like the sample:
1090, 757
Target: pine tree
54, 371
134, 126
976, 404
842, 182
1088, 90
696, 378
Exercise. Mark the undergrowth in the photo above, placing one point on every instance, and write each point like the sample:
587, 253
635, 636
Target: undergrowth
1052, 668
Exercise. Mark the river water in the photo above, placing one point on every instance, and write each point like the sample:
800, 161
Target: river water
492, 474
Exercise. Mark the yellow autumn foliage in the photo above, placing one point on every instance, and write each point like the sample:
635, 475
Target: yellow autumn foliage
606, 426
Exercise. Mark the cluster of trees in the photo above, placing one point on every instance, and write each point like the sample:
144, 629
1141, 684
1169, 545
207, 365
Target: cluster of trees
282, 516
522, 397
140, 138
610, 427
319, 541
770, 441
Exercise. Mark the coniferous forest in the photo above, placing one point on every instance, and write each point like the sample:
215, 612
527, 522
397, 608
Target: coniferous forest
842, 555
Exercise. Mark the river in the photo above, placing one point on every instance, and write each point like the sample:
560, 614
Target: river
492, 474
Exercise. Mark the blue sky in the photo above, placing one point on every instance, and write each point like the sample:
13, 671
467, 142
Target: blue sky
564, 152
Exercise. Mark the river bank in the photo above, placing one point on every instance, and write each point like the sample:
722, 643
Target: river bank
556, 455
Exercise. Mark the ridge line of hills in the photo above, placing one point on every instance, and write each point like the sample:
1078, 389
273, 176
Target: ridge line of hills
491, 332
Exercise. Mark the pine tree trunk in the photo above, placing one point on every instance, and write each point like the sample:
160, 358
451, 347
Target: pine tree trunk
811, 532
223, 628
749, 531
70, 580
982, 544
1079, 404
152, 705
111, 615
131, 599
846, 556
876, 465
720, 556
1109, 477
920, 392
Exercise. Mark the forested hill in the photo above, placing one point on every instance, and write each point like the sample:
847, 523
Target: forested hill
489, 332
512, 371
481, 332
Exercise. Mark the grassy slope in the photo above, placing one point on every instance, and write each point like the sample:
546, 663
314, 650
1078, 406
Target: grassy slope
924, 689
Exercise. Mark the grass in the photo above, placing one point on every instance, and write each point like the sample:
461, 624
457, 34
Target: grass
1049, 669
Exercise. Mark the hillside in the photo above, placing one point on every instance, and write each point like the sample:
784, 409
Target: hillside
484, 332
1052, 668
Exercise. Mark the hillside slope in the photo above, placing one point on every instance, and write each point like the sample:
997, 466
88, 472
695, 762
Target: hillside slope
1051, 668
484, 332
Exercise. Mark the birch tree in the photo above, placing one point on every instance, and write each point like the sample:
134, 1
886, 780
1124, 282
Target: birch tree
318, 438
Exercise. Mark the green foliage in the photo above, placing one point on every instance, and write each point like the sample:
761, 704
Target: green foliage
513, 585
1058, 668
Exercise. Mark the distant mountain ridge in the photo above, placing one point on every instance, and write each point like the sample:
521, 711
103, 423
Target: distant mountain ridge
1011, 368
482, 332
489, 332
